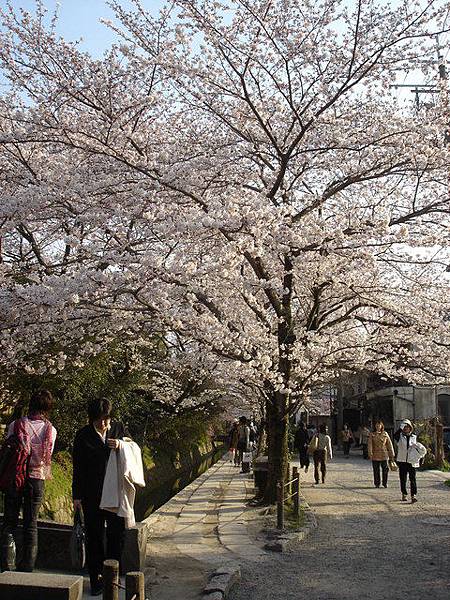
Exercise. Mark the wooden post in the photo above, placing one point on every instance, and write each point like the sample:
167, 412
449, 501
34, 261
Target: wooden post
134, 586
439, 445
292, 486
280, 505
296, 492
111, 580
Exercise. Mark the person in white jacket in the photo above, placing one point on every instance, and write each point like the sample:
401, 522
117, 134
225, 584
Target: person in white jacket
409, 453
322, 451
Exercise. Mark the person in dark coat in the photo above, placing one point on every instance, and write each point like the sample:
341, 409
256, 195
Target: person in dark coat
92, 446
301, 442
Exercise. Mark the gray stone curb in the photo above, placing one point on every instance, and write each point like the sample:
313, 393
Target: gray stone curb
286, 541
220, 582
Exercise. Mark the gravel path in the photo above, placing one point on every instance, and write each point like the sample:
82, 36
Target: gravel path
368, 543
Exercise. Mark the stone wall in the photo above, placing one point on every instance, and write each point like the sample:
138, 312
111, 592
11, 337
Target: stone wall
165, 475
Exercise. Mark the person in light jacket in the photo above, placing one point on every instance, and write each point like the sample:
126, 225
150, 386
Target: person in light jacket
380, 450
323, 451
409, 452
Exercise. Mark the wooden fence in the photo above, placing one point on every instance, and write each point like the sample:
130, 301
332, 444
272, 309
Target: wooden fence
291, 489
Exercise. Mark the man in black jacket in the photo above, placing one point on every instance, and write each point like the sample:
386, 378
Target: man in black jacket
91, 449
301, 441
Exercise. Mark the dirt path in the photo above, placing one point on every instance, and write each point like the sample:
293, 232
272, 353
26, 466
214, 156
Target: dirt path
368, 543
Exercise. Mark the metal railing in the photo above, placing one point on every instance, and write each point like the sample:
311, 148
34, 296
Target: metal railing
293, 491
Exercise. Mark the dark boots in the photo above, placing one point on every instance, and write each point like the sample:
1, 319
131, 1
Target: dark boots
28, 559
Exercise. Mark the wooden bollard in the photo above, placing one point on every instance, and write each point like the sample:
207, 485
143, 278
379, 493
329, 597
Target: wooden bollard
294, 471
280, 505
111, 580
134, 586
296, 478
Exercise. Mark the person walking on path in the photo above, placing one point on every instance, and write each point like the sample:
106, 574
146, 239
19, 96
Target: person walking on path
233, 438
347, 439
364, 439
409, 453
380, 450
92, 446
243, 438
322, 451
37, 435
301, 443
311, 430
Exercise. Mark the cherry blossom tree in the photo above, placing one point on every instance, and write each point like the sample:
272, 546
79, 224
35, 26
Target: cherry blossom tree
237, 174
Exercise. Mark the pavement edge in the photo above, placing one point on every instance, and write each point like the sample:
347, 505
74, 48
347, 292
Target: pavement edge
220, 582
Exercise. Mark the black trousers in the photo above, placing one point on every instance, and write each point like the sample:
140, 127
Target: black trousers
405, 469
320, 459
377, 465
365, 451
30, 500
346, 446
94, 522
304, 457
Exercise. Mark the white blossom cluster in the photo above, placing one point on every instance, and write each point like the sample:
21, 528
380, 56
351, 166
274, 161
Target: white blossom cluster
235, 174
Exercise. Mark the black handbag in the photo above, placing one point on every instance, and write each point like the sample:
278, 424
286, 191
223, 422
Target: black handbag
78, 542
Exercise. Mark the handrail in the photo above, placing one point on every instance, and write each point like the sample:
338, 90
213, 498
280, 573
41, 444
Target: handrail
290, 482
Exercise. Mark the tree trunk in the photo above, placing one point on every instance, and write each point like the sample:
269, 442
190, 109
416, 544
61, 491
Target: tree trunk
277, 441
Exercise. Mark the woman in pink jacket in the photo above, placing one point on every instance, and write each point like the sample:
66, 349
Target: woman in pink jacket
37, 436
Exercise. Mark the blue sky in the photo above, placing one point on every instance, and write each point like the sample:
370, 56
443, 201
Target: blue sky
80, 19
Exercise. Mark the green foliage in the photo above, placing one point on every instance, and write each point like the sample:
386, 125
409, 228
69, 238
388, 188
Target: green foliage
112, 374
292, 520
174, 438
446, 466
447, 482
425, 435
57, 503
106, 374
429, 462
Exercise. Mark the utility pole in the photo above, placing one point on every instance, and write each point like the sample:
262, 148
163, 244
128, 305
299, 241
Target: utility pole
429, 88
441, 89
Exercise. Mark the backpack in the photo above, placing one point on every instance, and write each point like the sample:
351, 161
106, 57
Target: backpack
14, 457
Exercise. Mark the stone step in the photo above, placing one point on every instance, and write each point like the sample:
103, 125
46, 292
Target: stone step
37, 586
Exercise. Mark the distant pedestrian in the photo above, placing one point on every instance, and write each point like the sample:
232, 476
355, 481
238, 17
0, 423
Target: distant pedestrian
364, 439
233, 438
243, 439
311, 430
347, 439
380, 451
253, 433
301, 442
357, 437
409, 453
322, 451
